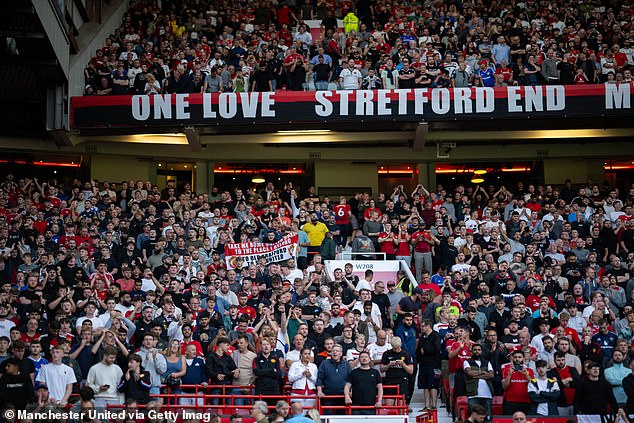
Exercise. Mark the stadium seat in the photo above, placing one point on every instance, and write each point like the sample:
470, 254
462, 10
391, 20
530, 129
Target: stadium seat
496, 408
462, 408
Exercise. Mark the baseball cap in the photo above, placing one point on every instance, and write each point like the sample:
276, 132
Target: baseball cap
516, 350
542, 321
417, 291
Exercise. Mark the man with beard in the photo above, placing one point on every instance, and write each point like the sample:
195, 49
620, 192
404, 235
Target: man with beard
615, 375
567, 377
494, 352
407, 332
515, 378
478, 379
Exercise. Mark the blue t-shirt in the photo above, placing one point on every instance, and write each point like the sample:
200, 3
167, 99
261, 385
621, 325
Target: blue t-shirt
487, 76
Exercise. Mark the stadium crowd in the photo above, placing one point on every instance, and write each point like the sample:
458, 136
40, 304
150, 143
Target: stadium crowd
203, 46
120, 293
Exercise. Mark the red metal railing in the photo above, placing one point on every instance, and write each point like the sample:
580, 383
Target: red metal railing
228, 404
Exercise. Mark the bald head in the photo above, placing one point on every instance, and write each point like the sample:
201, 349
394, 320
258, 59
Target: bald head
296, 408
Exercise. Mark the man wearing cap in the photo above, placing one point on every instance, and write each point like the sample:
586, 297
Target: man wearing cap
394, 295
515, 379
411, 304
594, 393
57, 377
544, 330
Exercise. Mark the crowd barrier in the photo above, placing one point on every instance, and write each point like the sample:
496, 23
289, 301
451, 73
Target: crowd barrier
535, 419
227, 403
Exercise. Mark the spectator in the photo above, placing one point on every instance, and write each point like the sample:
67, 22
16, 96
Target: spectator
57, 377
543, 392
213, 82
567, 377
243, 358
615, 374
428, 351
152, 86
268, 371
135, 383
594, 394
350, 77
297, 412
104, 378
366, 386
259, 411
515, 379
478, 377
16, 385
332, 377
153, 362
195, 374
222, 369
303, 375
397, 365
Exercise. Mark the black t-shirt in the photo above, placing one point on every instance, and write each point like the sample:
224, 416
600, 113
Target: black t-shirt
406, 83
383, 302
261, 78
510, 339
364, 386
409, 305
397, 372
322, 72
347, 346
311, 310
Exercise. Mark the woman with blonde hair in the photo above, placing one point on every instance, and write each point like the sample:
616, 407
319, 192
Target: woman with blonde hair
176, 367
152, 86
313, 414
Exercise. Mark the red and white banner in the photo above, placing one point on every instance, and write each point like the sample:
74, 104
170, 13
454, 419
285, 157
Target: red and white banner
283, 249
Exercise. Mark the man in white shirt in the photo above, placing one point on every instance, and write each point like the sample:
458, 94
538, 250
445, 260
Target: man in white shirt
57, 377
90, 310
376, 349
481, 370
371, 314
5, 324
350, 78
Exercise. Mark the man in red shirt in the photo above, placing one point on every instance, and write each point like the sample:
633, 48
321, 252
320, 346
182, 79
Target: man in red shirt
342, 214
423, 240
566, 377
459, 349
571, 334
243, 308
515, 378
427, 284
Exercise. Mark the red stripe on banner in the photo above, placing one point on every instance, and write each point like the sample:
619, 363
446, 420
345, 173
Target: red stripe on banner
309, 96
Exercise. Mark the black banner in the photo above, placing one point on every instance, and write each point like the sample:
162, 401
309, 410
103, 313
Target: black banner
414, 105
